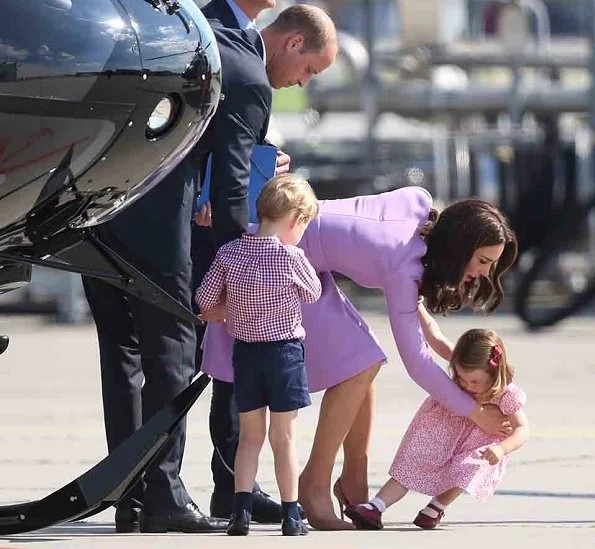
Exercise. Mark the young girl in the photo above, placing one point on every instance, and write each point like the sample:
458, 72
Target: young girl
444, 455
260, 280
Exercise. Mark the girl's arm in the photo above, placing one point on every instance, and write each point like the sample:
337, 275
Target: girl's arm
434, 336
520, 432
518, 437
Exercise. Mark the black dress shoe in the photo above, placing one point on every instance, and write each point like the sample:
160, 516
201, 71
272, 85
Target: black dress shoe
188, 519
239, 523
265, 509
128, 520
293, 527
3, 343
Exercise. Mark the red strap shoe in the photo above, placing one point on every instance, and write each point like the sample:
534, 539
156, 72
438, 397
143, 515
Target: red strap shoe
364, 518
426, 521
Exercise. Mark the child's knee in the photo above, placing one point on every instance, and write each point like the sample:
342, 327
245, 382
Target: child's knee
253, 437
281, 433
280, 438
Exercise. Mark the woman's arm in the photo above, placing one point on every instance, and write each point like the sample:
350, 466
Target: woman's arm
518, 437
404, 317
434, 336
403, 312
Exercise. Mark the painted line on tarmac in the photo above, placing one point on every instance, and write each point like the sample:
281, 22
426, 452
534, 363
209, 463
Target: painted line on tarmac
534, 494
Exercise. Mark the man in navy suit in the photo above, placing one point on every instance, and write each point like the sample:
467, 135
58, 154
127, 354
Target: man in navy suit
300, 43
146, 353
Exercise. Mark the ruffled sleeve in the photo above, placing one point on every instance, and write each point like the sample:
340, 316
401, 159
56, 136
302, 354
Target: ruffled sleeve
512, 400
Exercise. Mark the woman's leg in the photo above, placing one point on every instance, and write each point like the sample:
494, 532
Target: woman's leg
353, 481
340, 406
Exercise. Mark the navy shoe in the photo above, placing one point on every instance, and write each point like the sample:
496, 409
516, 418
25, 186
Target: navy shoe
239, 523
265, 510
293, 527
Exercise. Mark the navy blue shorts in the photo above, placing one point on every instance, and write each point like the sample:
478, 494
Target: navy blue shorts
270, 373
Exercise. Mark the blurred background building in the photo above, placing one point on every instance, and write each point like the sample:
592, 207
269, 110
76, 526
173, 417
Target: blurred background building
464, 97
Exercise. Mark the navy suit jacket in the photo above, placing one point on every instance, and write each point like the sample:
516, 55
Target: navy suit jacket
240, 122
219, 10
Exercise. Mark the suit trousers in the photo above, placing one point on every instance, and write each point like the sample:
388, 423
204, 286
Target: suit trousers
146, 353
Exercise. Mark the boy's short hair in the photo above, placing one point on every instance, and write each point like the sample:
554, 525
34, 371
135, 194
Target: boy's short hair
286, 193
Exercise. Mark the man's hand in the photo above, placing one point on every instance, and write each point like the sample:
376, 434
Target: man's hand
283, 161
214, 314
203, 217
493, 454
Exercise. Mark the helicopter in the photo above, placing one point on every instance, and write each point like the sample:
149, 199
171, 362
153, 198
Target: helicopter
99, 101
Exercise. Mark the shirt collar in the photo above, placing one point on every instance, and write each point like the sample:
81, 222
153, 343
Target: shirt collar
244, 22
257, 239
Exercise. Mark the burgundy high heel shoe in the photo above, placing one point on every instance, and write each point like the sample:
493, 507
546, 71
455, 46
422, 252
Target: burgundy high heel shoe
341, 498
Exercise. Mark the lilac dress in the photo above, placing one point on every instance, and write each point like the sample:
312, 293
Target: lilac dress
375, 241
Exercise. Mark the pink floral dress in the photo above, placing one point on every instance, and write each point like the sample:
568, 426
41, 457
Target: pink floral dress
441, 451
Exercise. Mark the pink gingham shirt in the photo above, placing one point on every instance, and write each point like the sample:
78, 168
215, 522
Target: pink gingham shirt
265, 283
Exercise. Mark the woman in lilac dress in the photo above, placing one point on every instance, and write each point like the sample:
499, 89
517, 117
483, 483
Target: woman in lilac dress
396, 242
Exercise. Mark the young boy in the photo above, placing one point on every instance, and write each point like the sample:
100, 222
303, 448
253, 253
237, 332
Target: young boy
260, 279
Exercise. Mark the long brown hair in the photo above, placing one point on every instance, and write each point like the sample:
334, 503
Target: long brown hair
452, 238
483, 350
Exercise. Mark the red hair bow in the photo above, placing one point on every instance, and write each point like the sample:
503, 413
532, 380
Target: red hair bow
495, 355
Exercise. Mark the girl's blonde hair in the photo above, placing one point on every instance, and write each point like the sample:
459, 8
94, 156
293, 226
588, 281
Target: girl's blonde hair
483, 350
284, 194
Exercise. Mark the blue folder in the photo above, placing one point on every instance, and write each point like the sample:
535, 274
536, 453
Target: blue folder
263, 163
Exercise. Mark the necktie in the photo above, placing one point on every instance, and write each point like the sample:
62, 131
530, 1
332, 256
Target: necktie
256, 39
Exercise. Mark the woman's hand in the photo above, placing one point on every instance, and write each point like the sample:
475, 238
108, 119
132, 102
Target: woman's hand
490, 419
214, 314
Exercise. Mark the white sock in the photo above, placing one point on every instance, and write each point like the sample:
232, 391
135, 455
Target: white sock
427, 510
376, 502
